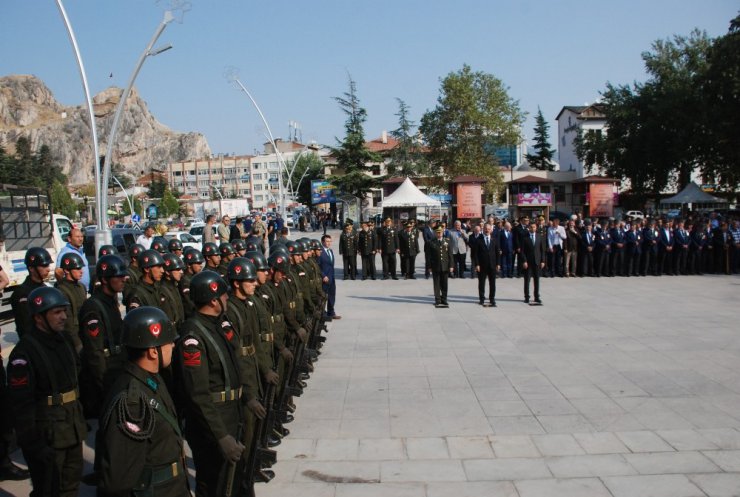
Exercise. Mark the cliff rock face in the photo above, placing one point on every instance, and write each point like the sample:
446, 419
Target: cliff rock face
28, 108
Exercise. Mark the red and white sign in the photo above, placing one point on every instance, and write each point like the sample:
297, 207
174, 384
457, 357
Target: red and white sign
469, 203
534, 199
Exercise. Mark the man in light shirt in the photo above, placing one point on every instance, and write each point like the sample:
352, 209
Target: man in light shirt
555, 237
146, 238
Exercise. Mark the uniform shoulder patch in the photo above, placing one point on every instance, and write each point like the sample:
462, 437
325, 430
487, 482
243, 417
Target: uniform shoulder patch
190, 342
19, 362
191, 358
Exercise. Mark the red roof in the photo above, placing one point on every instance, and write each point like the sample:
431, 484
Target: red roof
596, 179
469, 179
530, 178
377, 144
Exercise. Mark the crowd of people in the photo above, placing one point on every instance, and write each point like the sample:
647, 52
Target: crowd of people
212, 348
534, 248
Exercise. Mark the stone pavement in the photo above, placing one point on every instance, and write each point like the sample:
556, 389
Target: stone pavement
615, 387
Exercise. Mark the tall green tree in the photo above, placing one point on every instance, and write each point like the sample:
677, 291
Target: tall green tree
721, 88
474, 111
168, 206
542, 159
351, 154
137, 207
407, 157
308, 167
61, 200
656, 130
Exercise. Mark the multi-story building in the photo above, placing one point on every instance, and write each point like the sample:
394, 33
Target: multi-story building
266, 169
571, 121
202, 179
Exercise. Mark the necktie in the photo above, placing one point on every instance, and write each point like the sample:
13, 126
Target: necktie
486, 241
532, 238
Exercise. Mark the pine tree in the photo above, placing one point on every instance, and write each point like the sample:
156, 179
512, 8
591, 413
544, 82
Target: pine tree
406, 157
542, 160
353, 157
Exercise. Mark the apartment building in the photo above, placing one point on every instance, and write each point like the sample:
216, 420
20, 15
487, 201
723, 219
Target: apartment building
202, 179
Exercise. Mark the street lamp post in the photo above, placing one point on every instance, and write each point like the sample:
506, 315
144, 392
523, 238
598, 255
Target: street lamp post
100, 216
220, 201
281, 163
128, 198
149, 51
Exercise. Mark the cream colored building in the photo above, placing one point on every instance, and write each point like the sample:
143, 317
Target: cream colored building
202, 179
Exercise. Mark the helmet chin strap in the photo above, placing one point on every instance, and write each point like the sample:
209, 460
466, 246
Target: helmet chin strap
160, 362
221, 306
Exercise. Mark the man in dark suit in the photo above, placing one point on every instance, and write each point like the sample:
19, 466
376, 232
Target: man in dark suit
520, 231
534, 252
326, 263
681, 252
588, 245
665, 248
506, 245
439, 257
618, 236
487, 251
650, 249
634, 249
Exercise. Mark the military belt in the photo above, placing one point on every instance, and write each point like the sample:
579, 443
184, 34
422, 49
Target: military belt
112, 351
267, 337
247, 351
167, 473
226, 396
291, 304
272, 319
62, 398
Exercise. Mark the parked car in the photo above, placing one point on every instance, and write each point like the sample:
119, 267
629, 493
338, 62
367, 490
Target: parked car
123, 238
196, 231
635, 214
186, 238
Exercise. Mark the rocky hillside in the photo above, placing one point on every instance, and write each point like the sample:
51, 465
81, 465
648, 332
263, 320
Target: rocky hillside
28, 108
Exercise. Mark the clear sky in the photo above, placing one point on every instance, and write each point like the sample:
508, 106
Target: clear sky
295, 56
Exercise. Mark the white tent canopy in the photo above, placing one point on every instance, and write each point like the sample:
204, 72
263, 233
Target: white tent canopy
408, 195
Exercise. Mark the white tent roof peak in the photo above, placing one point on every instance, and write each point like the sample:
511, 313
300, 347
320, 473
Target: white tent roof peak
408, 195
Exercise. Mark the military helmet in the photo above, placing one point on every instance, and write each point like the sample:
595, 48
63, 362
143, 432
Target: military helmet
258, 259
239, 245
44, 298
150, 258
210, 249
159, 244
146, 327
241, 269
194, 256
294, 248
71, 260
226, 249
315, 244
37, 256
206, 286
304, 245
107, 250
279, 262
250, 246
172, 262
174, 244
136, 250
110, 266
279, 249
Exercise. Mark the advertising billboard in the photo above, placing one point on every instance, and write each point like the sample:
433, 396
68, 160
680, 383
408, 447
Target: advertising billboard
322, 192
469, 203
534, 199
601, 200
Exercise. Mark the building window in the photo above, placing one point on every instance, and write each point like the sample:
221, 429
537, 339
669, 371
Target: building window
256, 166
375, 171
257, 188
559, 193
203, 172
177, 173
257, 176
258, 198
273, 176
562, 140
570, 122
203, 194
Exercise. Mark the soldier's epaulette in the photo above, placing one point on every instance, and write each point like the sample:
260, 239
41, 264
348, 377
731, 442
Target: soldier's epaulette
134, 416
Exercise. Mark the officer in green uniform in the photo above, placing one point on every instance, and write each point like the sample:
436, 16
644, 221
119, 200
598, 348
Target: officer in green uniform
227, 254
439, 258
212, 256
348, 251
242, 282
37, 262
100, 333
170, 289
374, 235
139, 440
75, 293
409, 246
388, 248
147, 292
194, 262
366, 249
209, 376
134, 271
42, 383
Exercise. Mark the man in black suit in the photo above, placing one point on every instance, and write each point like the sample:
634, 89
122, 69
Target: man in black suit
520, 231
534, 252
588, 244
665, 248
439, 257
487, 263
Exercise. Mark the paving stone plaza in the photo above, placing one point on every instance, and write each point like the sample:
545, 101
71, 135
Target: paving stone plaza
623, 387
